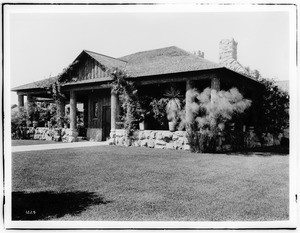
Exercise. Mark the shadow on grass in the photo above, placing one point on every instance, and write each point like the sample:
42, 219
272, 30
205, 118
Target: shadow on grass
47, 205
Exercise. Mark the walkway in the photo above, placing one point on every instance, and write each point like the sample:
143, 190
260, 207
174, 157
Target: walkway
56, 146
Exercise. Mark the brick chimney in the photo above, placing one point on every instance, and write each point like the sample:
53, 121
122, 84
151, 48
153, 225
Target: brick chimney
227, 50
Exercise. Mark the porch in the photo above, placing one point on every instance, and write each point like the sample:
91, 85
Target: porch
101, 107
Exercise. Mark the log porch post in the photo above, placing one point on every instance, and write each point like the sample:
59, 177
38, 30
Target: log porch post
20, 102
113, 106
60, 103
215, 86
73, 104
215, 83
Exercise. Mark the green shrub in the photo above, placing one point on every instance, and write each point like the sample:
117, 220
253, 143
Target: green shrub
18, 124
275, 105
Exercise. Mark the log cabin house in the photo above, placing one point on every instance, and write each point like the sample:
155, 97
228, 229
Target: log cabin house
152, 71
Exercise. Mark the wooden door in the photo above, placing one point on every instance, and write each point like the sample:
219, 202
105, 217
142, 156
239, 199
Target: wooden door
105, 122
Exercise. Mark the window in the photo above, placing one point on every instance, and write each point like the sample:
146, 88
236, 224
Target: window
95, 109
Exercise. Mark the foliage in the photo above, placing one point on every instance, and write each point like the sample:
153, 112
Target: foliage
143, 107
210, 111
237, 139
173, 106
129, 98
47, 113
198, 140
159, 110
275, 105
18, 124
53, 88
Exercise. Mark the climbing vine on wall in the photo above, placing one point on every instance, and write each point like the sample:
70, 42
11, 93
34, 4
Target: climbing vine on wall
129, 98
53, 87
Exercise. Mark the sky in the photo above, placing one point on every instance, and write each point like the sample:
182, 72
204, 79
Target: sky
42, 44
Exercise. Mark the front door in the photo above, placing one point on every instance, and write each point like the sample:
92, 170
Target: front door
106, 122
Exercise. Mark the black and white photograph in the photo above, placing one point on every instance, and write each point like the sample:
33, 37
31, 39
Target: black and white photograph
150, 116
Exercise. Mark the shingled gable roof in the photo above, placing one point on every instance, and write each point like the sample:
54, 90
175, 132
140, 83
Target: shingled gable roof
146, 63
108, 62
165, 61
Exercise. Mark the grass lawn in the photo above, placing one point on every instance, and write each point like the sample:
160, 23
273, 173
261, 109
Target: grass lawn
117, 183
30, 142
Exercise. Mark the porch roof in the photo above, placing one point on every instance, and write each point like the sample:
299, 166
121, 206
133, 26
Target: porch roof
169, 60
35, 85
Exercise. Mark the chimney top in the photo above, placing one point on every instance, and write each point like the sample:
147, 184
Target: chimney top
227, 49
199, 53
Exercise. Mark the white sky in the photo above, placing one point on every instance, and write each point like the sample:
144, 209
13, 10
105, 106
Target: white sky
42, 44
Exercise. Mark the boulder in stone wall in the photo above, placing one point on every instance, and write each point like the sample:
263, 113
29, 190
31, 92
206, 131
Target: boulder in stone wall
175, 137
111, 141
158, 146
68, 131
65, 139
128, 142
112, 134
187, 147
160, 142
151, 143
178, 145
135, 135
147, 134
181, 141
136, 143
119, 141
186, 141
57, 138
180, 133
48, 137
141, 135
167, 135
159, 136
71, 139
170, 145
144, 142
153, 135
120, 132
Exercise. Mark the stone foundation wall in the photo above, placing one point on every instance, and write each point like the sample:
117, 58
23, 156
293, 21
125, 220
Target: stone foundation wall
178, 141
53, 134
153, 139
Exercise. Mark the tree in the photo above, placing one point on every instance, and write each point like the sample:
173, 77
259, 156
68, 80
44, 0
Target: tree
275, 105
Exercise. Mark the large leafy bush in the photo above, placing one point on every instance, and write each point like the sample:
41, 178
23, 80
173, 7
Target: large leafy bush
275, 105
210, 110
